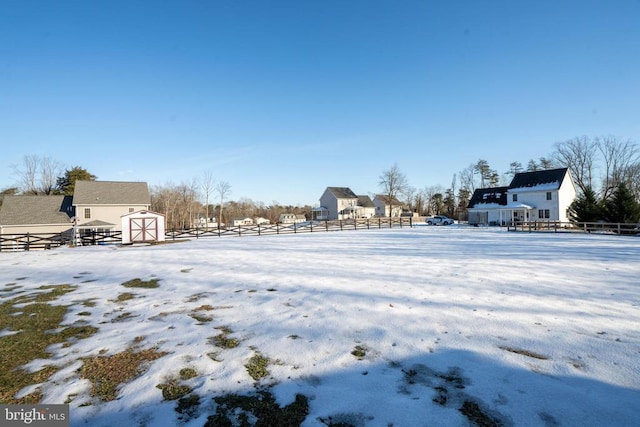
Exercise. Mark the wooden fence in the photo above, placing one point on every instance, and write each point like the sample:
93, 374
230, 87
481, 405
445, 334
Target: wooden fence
31, 241
584, 227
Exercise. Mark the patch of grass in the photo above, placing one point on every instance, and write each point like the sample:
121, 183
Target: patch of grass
38, 325
106, 373
187, 405
122, 317
223, 340
204, 307
524, 352
187, 373
294, 337
84, 313
139, 283
359, 351
200, 318
259, 410
125, 296
257, 366
215, 356
172, 390
89, 303
477, 416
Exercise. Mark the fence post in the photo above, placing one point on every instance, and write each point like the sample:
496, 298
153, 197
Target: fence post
619, 232
311, 226
258, 229
340, 224
28, 241
326, 225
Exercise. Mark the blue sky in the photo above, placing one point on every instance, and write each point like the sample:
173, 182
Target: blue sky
284, 98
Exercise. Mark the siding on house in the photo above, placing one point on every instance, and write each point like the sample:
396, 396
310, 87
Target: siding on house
107, 201
338, 199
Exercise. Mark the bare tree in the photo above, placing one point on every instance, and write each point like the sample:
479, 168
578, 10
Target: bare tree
618, 157
223, 189
430, 193
38, 175
207, 188
393, 183
468, 178
579, 155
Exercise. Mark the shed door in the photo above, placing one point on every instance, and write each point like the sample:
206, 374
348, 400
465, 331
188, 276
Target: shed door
143, 229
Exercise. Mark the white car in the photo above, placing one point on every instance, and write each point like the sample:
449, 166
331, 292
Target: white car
439, 220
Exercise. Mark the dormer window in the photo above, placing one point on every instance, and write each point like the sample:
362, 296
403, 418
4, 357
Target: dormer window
515, 197
87, 213
548, 195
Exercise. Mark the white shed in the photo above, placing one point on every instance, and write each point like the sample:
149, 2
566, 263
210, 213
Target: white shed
142, 226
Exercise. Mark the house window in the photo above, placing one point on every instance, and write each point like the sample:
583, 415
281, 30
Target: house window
543, 214
548, 195
87, 213
515, 197
131, 209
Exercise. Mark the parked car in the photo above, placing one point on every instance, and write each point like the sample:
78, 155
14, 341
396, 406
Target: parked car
439, 220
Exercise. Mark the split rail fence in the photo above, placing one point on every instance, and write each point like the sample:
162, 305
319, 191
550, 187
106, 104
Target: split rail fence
585, 227
32, 241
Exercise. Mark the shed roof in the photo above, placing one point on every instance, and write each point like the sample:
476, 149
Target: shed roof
26, 210
111, 193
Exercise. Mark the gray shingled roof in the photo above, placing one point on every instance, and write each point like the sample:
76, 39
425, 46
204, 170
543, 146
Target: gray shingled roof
27, 210
531, 179
385, 199
111, 193
365, 202
342, 192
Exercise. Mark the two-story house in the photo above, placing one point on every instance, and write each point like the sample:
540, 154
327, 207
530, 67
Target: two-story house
531, 196
99, 205
338, 203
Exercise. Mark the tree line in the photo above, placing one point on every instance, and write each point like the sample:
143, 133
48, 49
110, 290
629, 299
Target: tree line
606, 171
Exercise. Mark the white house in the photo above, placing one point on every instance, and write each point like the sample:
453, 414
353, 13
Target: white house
367, 207
261, 221
291, 218
338, 203
532, 196
235, 222
383, 205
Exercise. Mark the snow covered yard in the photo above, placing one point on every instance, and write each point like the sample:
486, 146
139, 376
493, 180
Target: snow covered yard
446, 326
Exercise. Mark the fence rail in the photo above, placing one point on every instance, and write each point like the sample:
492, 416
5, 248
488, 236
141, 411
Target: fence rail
585, 227
33, 241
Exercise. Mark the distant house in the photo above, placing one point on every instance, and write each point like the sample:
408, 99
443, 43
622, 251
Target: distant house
240, 221
383, 205
36, 214
531, 196
291, 218
367, 207
338, 203
261, 221
99, 205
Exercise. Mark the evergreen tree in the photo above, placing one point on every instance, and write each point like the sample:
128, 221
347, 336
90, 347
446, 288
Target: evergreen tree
622, 206
67, 183
586, 207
